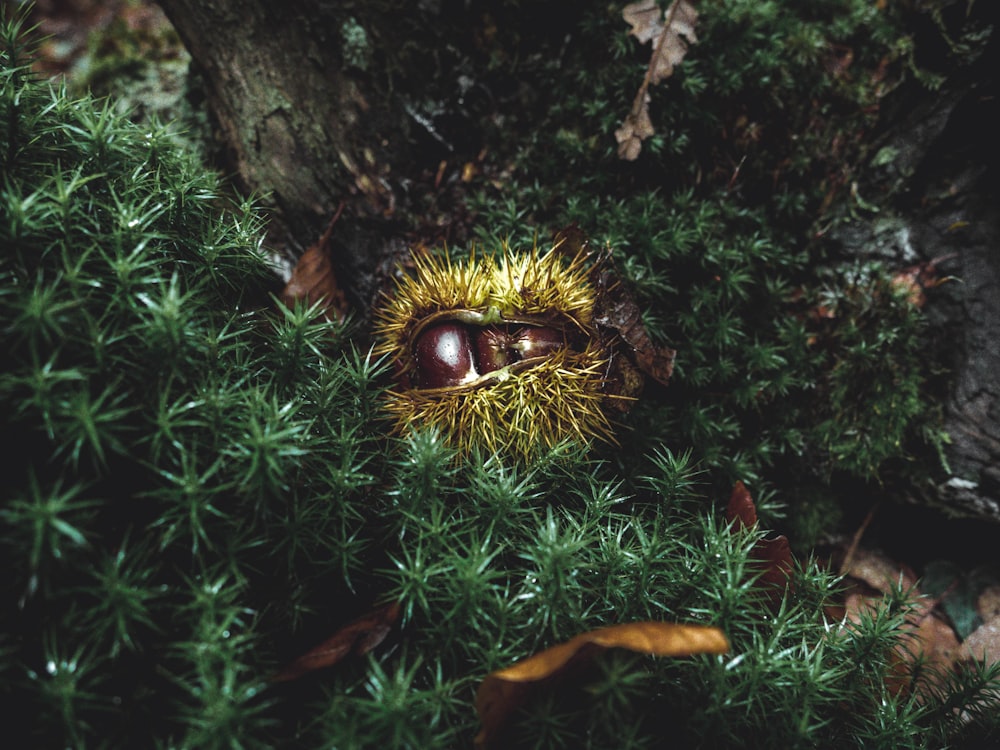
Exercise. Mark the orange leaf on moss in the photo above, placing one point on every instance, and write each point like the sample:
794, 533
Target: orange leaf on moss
501, 692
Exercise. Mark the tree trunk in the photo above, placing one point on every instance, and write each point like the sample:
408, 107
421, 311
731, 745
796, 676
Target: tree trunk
945, 213
298, 128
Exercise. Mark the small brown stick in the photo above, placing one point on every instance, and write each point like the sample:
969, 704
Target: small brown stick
856, 540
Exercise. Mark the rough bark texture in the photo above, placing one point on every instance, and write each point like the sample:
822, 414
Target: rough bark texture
946, 211
298, 127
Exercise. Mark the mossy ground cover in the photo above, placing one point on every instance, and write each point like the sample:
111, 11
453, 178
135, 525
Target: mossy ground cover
200, 486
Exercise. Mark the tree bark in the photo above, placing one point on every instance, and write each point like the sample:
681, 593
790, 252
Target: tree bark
945, 212
298, 128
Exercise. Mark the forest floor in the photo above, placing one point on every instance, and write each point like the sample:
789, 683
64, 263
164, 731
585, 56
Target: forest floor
127, 49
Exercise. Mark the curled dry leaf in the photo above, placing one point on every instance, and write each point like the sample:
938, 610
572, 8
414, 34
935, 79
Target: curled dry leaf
501, 692
636, 128
313, 280
645, 18
619, 322
617, 313
741, 507
773, 555
357, 637
671, 33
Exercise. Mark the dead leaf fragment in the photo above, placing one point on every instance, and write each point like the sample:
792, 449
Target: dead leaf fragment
988, 604
671, 33
741, 506
313, 280
501, 692
879, 572
927, 647
357, 637
645, 19
617, 312
772, 555
636, 128
672, 30
984, 643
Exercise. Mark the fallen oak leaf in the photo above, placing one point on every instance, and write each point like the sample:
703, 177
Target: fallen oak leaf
501, 692
357, 637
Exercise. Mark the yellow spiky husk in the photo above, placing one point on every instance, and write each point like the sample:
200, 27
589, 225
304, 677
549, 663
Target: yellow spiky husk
529, 283
536, 409
519, 412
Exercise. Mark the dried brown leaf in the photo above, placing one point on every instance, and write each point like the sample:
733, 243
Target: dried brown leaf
357, 637
879, 572
616, 311
741, 506
501, 692
988, 604
773, 555
645, 18
671, 33
928, 646
636, 128
313, 280
927, 649
984, 643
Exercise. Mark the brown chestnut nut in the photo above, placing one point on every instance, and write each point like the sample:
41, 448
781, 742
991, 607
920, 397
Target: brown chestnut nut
492, 349
536, 341
443, 355
498, 346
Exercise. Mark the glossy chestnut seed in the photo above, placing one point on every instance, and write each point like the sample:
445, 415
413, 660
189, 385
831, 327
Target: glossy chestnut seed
492, 349
444, 356
536, 341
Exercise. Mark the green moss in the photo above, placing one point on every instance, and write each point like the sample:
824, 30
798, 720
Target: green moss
718, 224
874, 406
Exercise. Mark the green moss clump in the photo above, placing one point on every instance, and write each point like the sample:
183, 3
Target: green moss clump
719, 224
165, 422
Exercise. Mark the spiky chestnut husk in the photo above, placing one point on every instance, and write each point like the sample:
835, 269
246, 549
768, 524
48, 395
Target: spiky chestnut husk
499, 352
